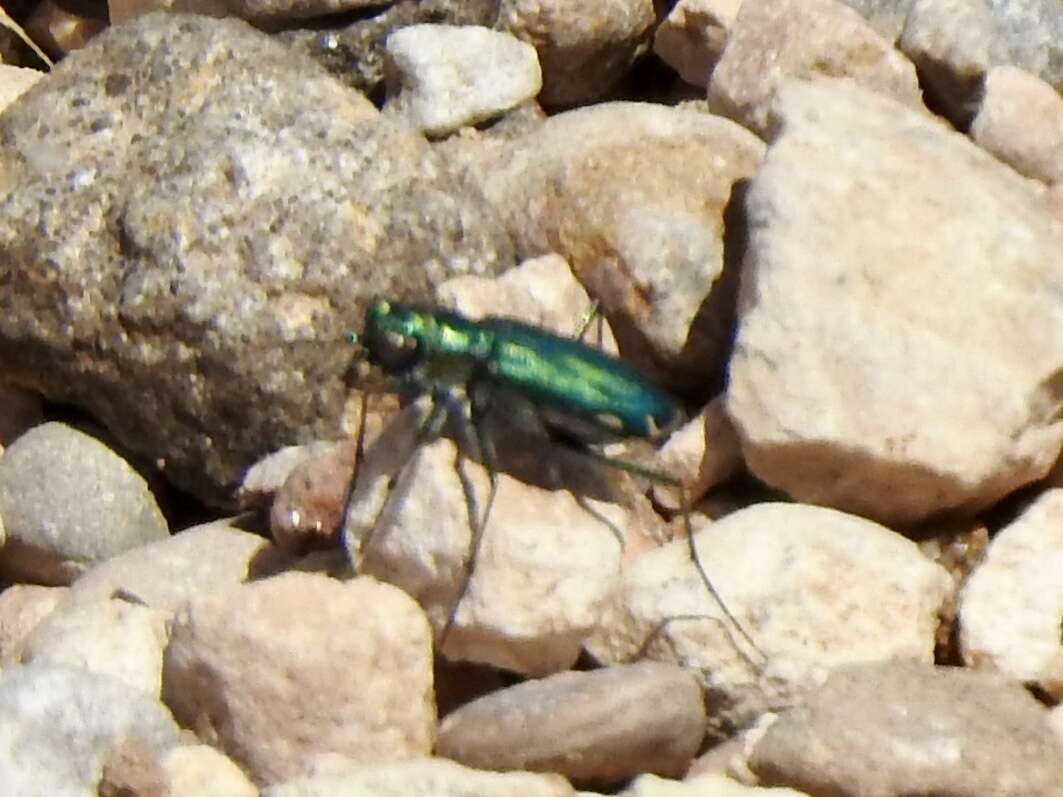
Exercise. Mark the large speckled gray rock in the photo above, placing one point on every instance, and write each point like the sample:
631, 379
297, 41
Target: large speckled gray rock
70, 502
194, 215
58, 724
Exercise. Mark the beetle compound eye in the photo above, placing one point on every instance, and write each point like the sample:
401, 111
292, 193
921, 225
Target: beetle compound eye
392, 351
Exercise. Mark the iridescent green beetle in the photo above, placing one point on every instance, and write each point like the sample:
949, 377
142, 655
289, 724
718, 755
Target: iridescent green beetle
578, 390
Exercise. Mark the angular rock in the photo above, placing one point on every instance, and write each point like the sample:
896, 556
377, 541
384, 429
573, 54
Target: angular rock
772, 41
69, 503
288, 667
444, 77
893, 359
58, 725
603, 726
133, 768
165, 574
22, 608
584, 49
543, 570
433, 777
906, 728
1020, 121
813, 587
611, 189
211, 216
1011, 605
692, 37
90, 634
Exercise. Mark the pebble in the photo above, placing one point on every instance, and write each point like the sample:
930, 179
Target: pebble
88, 634
22, 608
68, 503
584, 49
1011, 605
202, 771
59, 724
447, 76
772, 41
814, 588
923, 730
165, 574
603, 726
1020, 121
281, 669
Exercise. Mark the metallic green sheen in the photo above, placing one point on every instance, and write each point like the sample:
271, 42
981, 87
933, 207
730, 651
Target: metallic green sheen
559, 373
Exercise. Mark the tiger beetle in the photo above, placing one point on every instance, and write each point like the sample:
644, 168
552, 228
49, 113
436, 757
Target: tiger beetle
580, 393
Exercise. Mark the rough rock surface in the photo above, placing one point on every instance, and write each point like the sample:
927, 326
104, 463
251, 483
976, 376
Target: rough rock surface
279, 670
889, 361
925, 730
68, 503
1011, 605
210, 214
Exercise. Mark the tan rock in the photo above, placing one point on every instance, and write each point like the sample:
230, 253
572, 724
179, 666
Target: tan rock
775, 40
280, 669
893, 358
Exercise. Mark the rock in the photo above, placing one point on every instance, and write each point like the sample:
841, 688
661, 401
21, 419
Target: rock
542, 291
165, 574
772, 41
13, 81
603, 726
68, 503
955, 42
1011, 604
584, 49
22, 608
267, 476
353, 51
88, 634
282, 669
201, 771
58, 726
215, 282
446, 76
702, 454
610, 189
307, 512
1020, 121
862, 377
813, 587
692, 37
432, 777
967, 734
544, 568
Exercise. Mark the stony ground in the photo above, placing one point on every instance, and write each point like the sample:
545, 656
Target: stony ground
833, 231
